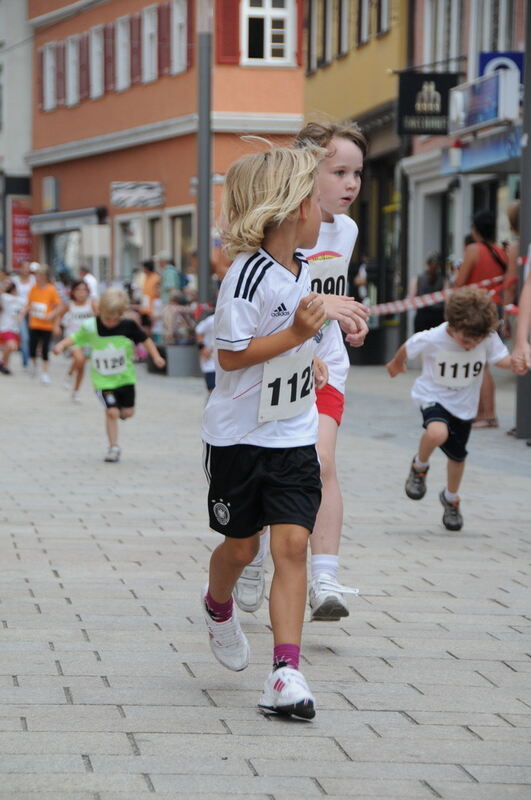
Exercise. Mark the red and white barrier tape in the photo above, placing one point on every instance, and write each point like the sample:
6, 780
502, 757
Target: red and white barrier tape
423, 300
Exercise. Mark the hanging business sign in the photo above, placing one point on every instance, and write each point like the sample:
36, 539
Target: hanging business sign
423, 102
19, 239
487, 101
491, 62
137, 194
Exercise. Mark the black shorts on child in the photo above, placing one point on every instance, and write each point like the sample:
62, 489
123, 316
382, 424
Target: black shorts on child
458, 430
121, 397
252, 486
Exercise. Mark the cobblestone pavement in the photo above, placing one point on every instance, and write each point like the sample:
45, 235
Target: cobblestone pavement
108, 690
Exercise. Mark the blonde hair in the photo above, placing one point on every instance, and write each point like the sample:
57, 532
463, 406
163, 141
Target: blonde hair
321, 134
263, 190
44, 269
113, 302
472, 312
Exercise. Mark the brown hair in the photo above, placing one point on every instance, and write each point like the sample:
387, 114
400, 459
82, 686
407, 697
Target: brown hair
322, 133
472, 312
513, 215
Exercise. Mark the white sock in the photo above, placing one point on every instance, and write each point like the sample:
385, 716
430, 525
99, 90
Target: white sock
451, 496
418, 464
324, 563
263, 550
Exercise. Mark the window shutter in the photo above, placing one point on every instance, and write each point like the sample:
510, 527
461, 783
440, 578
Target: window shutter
60, 73
84, 66
136, 48
163, 32
227, 31
40, 79
299, 32
190, 32
108, 56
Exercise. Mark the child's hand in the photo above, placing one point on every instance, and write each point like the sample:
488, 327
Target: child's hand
521, 359
320, 371
395, 367
358, 331
309, 317
57, 350
159, 361
344, 308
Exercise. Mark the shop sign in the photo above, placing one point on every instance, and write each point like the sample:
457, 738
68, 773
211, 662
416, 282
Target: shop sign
19, 240
491, 62
137, 194
423, 102
499, 153
486, 101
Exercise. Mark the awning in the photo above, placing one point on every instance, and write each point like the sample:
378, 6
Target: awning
63, 220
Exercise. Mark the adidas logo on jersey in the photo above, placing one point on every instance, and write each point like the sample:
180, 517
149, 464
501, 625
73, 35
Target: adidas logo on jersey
281, 311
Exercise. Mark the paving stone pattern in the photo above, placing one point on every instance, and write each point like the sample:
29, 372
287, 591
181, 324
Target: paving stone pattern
108, 689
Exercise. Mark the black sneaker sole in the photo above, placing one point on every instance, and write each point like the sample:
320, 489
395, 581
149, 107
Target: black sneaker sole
302, 710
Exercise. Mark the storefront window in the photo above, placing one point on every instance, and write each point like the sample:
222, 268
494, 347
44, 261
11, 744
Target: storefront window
63, 252
131, 248
155, 236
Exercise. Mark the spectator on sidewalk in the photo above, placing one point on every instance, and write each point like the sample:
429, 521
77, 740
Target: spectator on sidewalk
87, 276
428, 282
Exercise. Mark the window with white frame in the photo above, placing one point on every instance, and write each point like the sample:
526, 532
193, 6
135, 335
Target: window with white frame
384, 16
96, 62
268, 32
343, 27
123, 54
149, 44
72, 71
442, 34
178, 40
49, 77
363, 21
324, 32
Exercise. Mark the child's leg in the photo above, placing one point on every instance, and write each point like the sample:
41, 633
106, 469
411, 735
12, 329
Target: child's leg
327, 532
111, 425
455, 470
287, 600
226, 564
434, 436
78, 369
126, 413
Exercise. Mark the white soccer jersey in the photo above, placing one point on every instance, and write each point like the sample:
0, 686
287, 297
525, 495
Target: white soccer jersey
76, 316
329, 261
451, 375
271, 404
12, 305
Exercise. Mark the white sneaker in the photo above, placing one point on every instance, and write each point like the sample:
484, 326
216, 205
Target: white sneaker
75, 397
45, 378
286, 692
227, 640
326, 598
113, 454
249, 591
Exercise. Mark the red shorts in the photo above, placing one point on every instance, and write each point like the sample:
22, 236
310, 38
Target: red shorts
9, 336
330, 402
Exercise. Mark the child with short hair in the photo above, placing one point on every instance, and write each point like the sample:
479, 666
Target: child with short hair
260, 423
454, 357
111, 339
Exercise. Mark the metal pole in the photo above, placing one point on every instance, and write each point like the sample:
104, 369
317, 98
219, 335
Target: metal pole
204, 57
523, 388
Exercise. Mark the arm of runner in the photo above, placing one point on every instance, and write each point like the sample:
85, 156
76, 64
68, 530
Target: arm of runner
151, 347
356, 338
320, 371
309, 318
398, 363
62, 345
343, 308
471, 254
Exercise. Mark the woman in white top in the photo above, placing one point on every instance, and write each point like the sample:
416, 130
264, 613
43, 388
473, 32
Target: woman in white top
24, 281
80, 308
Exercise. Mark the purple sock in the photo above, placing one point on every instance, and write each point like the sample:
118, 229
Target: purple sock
286, 655
220, 612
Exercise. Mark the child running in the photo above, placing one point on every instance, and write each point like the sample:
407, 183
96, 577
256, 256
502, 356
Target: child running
10, 320
80, 308
454, 356
111, 340
260, 423
44, 307
339, 183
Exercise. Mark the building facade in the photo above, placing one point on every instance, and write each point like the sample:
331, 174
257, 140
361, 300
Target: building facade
450, 178
15, 133
114, 151
354, 48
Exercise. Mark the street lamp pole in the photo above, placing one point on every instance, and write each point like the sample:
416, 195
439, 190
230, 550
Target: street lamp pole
204, 156
523, 389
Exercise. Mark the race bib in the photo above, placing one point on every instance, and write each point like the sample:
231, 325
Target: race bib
110, 361
287, 387
456, 370
328, 272
38, 310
